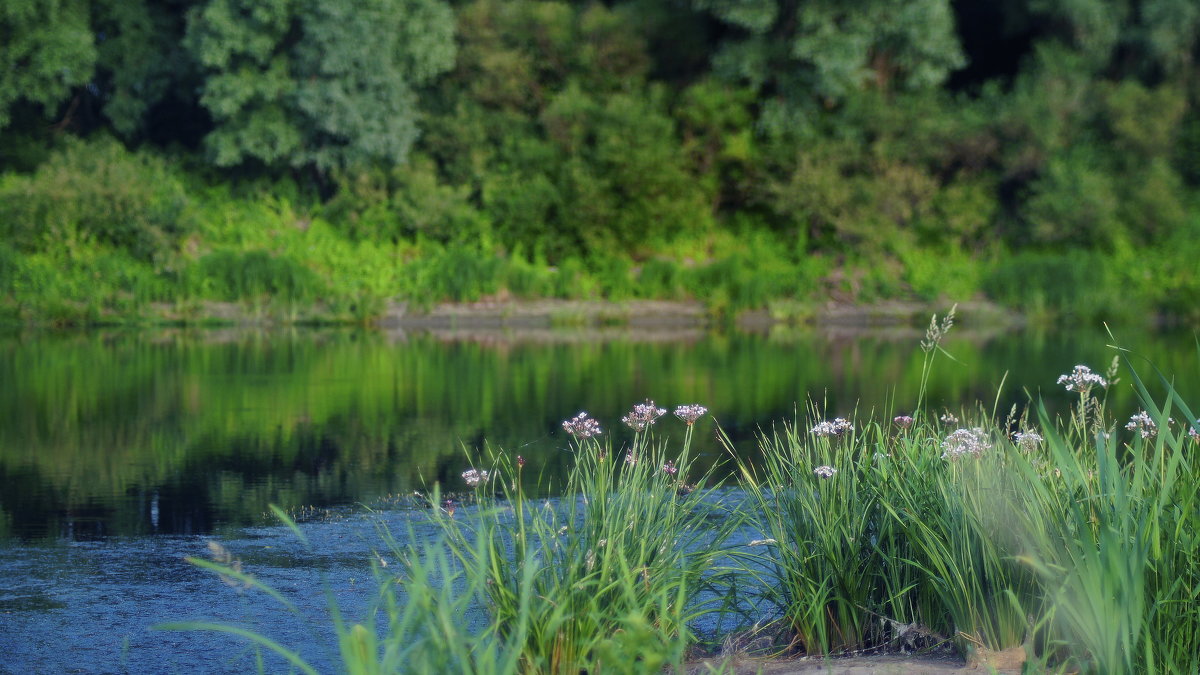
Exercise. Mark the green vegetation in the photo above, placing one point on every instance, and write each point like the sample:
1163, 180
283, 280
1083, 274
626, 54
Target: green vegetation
221, 425
1059, 543
317, 161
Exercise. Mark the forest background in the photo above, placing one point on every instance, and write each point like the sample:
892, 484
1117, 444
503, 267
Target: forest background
322, 160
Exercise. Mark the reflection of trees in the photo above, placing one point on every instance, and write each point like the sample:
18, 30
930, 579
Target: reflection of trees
98, 431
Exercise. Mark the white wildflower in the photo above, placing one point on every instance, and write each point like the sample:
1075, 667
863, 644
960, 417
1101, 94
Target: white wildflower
948, 418
825, 471
474, 477
1144, 425
835, 427
965, 442
690, 413
1081, 380
643, 415
581, 426
1027, 440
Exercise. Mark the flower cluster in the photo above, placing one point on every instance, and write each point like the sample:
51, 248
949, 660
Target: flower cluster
824, 471
1082, 379
1027, 440
1194, 431
965, 442
836, 427
948, 418
581, 426
474, 477
670, 468
642, 416
903, 421
690, 413
1144, 425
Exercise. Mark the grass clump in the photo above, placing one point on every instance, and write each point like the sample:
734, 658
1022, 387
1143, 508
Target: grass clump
619, 563
1074, 550
1024, 540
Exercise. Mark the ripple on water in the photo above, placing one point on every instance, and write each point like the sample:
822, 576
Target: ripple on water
91, 606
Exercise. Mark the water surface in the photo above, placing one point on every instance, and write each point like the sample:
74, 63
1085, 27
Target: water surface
123, 452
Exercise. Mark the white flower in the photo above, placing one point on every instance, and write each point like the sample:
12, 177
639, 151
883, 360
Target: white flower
824, 471
1027, 440
581, 426
474, 477
1144, 425
690, 413
948, 418
643, 415
836, 427
1082, 379
1194, 431
965, 442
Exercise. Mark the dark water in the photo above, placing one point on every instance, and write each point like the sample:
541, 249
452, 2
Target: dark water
122, 453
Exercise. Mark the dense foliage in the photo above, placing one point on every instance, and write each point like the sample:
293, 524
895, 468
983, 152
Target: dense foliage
1043, 153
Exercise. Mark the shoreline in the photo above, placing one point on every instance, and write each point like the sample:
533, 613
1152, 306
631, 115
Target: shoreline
557, 314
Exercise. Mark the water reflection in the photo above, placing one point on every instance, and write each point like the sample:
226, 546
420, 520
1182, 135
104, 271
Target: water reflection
178, 432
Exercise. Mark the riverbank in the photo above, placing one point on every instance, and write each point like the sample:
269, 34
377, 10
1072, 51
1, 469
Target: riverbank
887, 664
555, 313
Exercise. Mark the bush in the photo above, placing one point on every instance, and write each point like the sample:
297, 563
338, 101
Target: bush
97, 190
237, 275
457, 273
1080, 284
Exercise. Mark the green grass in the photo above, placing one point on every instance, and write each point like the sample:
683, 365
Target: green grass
1075, 550
618, 563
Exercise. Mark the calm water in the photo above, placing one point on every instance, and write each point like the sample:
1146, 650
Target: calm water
121, 453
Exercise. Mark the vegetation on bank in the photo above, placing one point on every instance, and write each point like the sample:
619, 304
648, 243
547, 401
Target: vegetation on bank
316, 161
1022, 540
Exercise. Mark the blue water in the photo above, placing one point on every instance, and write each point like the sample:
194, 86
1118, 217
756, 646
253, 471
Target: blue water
92, 606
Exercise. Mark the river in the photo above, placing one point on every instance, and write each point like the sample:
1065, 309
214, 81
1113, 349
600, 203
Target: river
123, 452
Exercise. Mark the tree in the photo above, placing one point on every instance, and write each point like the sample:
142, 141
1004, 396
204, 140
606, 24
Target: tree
46, 48
324, 83
822, 50
141, 62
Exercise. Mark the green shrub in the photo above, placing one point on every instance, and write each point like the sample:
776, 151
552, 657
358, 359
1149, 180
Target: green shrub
457, 273
1078, 284
659, 278
238, 275
97, 190
528, 279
